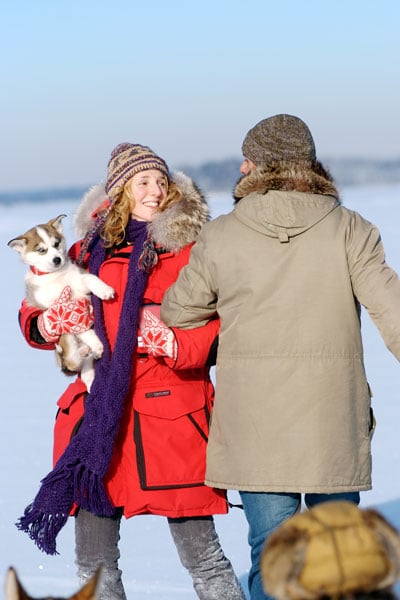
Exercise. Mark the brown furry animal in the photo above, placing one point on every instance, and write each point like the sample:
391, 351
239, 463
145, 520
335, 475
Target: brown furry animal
335, 550
15, 591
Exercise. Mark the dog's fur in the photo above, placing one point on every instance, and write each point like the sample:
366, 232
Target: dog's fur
43, 248
15, 591
334, 550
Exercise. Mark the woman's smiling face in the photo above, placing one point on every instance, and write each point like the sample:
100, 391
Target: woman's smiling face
147, 192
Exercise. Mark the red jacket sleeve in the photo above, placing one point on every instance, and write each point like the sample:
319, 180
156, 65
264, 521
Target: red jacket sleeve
194, 345
26, 314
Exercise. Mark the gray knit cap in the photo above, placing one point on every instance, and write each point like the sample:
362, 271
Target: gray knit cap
279, 138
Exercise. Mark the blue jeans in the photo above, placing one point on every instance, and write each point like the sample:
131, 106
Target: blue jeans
264, 513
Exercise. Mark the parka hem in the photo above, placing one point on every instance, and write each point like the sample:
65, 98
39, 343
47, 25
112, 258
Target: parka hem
289, 489
178, 514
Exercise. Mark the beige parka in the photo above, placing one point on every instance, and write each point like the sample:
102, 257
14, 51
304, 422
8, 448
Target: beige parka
286, 271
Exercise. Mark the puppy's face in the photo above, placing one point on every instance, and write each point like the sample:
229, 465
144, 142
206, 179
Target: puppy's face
43, 246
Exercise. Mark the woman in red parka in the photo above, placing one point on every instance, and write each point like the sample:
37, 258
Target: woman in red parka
135, 444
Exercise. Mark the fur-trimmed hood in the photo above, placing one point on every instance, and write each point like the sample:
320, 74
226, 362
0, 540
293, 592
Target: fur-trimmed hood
172, 229
286, 200
287, 177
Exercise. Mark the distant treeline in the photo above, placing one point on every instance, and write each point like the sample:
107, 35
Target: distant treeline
222, 175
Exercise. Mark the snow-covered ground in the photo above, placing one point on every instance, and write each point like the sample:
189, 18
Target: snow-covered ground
32, 383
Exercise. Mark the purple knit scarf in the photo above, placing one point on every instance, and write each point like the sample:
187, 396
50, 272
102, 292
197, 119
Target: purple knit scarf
78, 474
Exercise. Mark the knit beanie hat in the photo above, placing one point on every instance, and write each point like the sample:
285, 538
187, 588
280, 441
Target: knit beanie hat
127, 160
282, 138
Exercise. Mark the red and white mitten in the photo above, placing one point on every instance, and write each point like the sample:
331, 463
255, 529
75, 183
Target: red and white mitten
157, 338
66, 315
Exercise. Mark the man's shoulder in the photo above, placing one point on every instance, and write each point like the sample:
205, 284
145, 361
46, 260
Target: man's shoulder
219, 222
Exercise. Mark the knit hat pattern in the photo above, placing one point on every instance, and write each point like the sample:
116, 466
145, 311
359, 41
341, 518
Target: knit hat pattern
281, 138
127, 160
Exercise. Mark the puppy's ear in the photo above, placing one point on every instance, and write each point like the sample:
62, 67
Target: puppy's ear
19, 243
88, 592
56, 223
13, 587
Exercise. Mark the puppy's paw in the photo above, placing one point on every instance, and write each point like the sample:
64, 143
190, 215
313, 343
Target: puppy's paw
104, 291
108, 293
84, 351
97, 350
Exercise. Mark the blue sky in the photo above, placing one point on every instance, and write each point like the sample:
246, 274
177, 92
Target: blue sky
189, 79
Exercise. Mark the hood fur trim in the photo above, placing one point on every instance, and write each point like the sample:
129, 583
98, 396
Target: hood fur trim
86, 213
174, 228
180, 224
287, 177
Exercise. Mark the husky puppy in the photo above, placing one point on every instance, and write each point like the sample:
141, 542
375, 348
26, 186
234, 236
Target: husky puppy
43, 248
15, 591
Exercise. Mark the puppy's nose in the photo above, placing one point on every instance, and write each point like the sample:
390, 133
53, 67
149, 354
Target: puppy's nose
56, 261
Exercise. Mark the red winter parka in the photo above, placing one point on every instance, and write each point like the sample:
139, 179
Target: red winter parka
158, 462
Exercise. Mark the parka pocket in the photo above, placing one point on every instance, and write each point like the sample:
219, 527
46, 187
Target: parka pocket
171, 433
69, 416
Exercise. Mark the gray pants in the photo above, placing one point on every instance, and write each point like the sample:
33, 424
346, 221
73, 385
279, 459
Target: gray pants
195, 539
